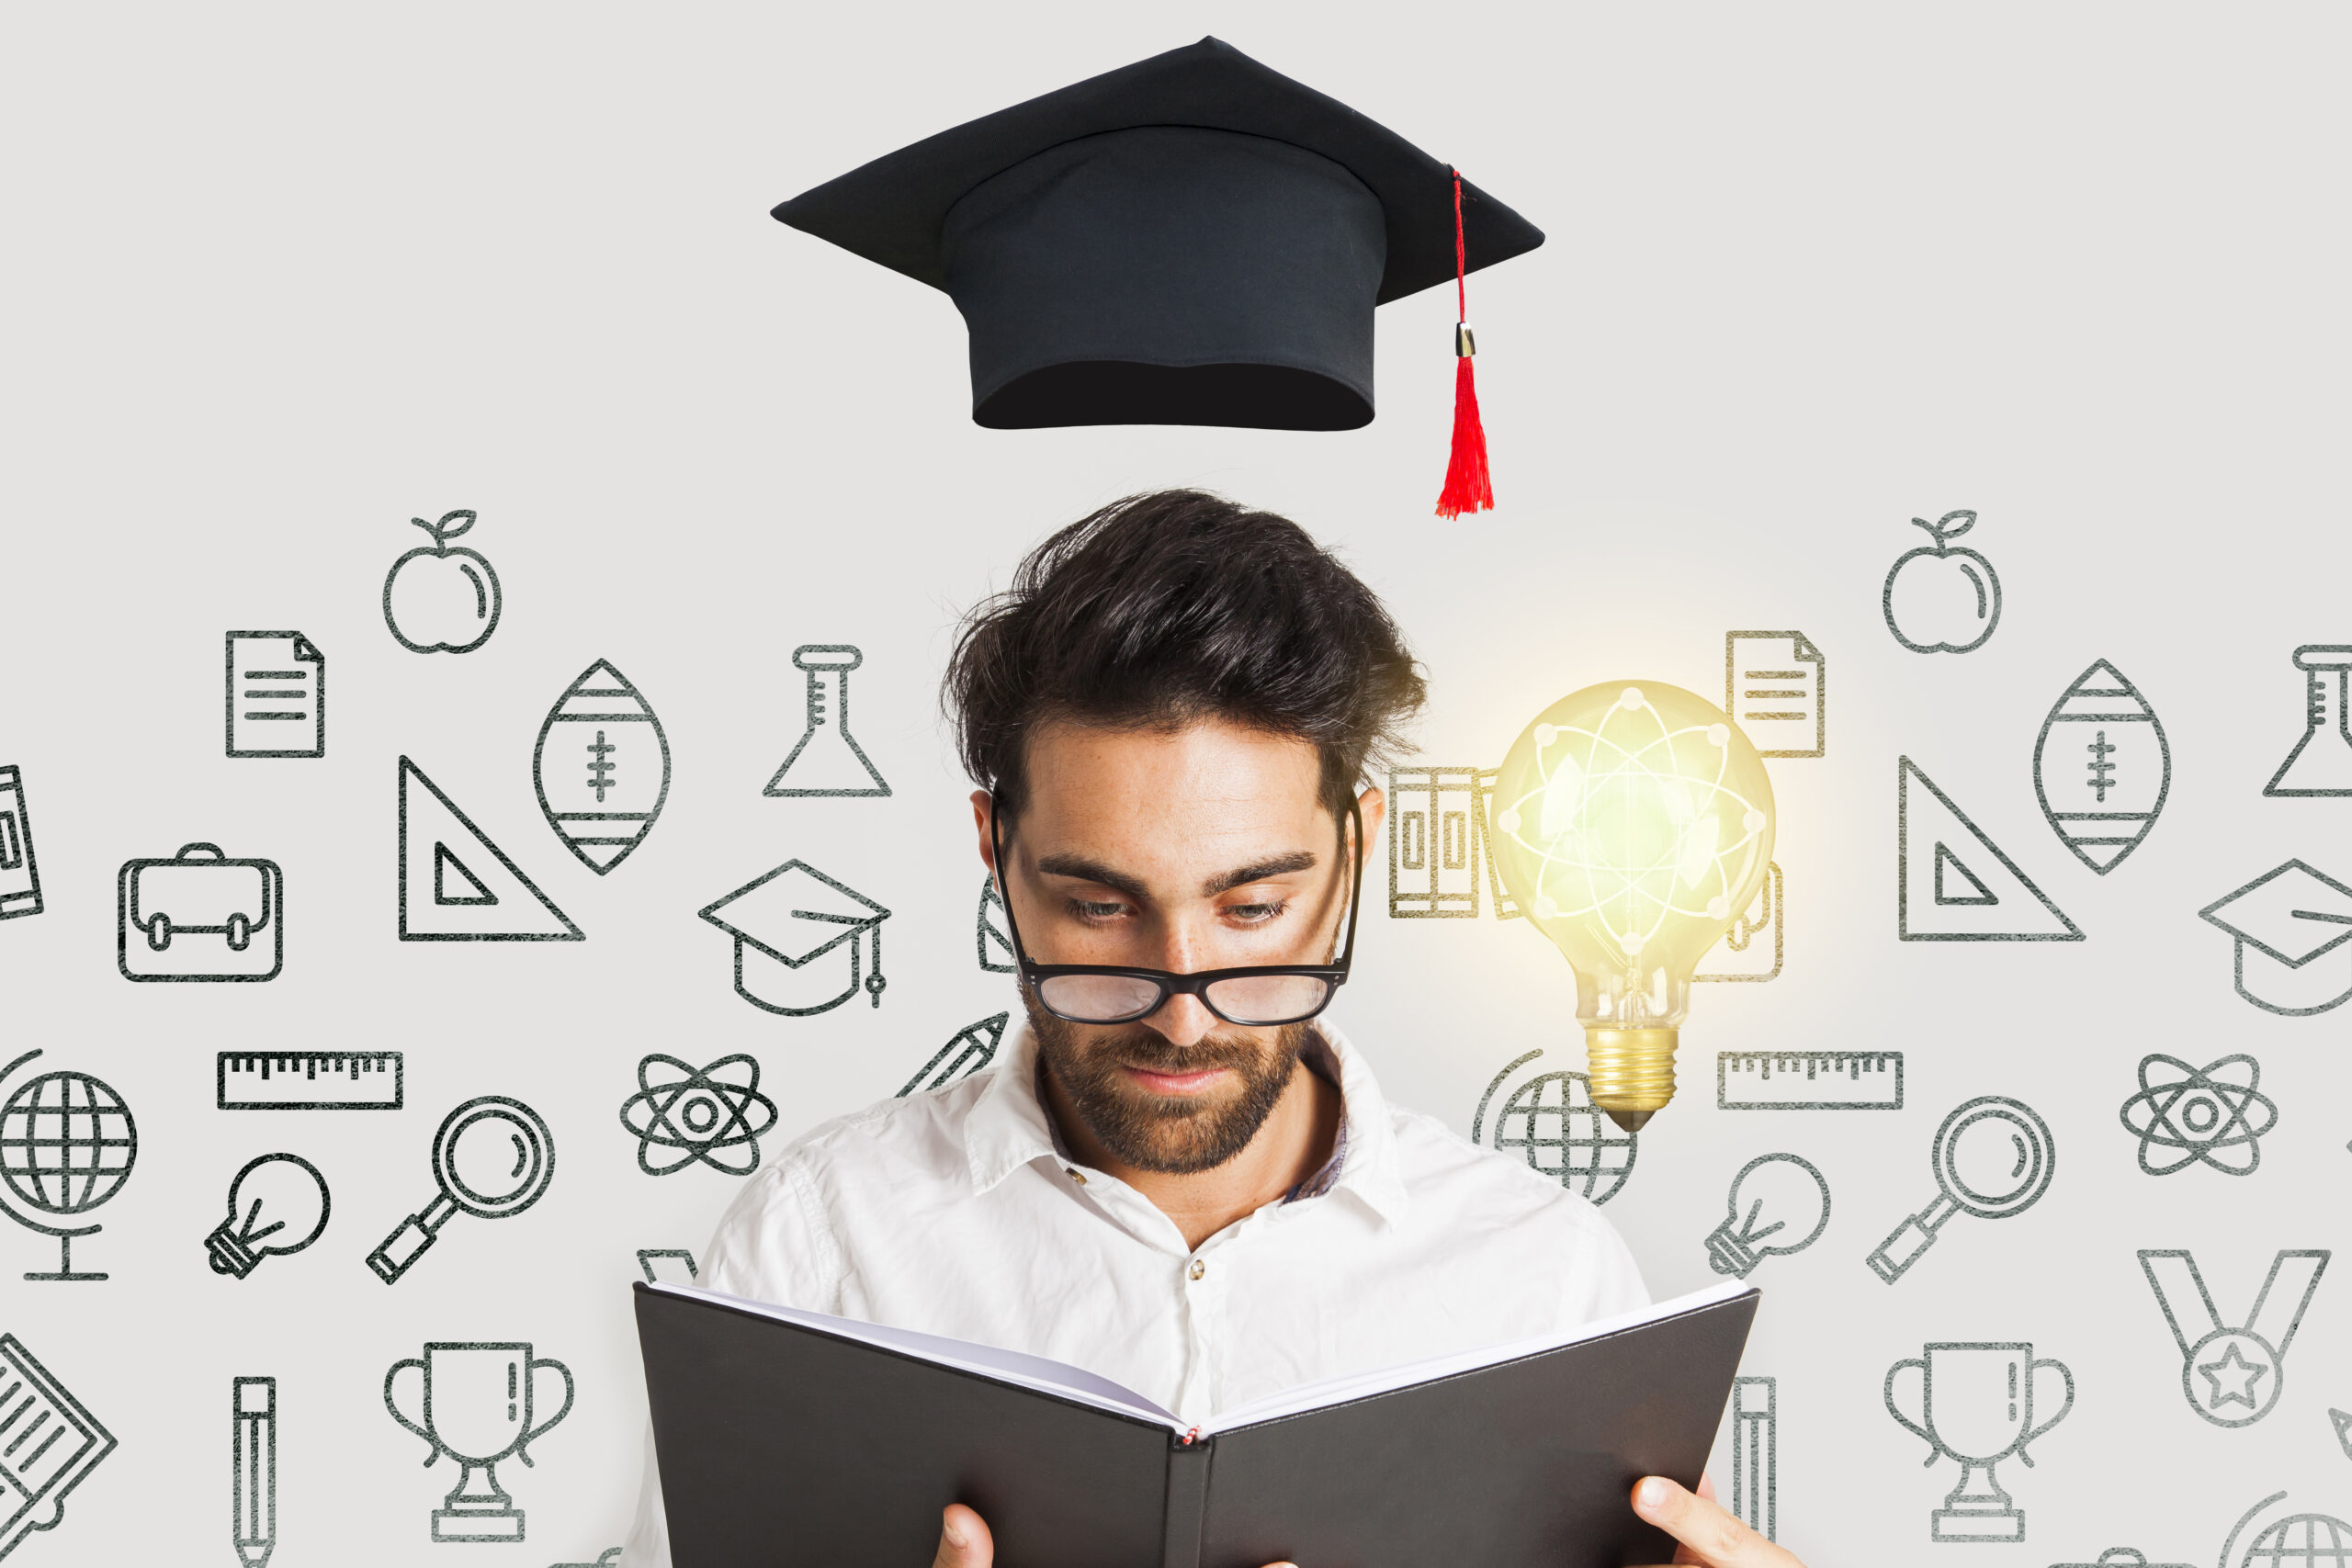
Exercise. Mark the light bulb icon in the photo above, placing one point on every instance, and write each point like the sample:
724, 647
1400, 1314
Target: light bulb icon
1779, 1204
278, 1204
1633, 825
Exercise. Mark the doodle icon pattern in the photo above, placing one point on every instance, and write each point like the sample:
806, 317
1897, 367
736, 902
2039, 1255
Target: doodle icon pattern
2232, 1375
478, 1403
19, 873
198, 915
277, 695
1548, 1119
2101, 767
2293, 927
1953, 882
456, 884
782, 922
2214, 1115
2321, 763
441, 598
602, 767
56, 1444
713, 1115
1976, 1404
493, 1158
67, 1144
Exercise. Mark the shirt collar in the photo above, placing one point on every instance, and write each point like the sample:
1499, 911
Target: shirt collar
1007, 1128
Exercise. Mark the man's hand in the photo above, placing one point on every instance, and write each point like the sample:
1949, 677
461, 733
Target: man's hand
1710, 1536
964, 1541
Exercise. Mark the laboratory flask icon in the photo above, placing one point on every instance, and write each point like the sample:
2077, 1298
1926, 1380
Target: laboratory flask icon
2321, 763
828, 760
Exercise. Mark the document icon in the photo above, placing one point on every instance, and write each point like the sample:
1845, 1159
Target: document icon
1772, 689
277, 695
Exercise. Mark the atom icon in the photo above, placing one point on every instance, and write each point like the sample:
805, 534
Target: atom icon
2215, 1114
701, 1112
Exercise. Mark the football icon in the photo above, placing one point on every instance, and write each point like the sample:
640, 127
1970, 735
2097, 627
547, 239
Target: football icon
2101, 767
602, 767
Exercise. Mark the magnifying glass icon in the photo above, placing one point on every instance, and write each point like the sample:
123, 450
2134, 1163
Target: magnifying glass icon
1993, 1159
493, 1158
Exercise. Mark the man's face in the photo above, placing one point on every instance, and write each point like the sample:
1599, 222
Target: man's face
1203, 848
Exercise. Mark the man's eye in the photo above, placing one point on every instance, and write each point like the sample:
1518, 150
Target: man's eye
1085, 910
1256, 914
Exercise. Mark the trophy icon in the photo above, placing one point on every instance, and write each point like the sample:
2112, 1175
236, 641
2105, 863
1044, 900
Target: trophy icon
474, 1403
1976, 1404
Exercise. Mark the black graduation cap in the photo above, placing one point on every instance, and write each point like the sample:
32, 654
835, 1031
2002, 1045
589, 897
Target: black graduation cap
1190, 240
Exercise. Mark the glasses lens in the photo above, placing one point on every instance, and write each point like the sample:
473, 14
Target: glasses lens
1098, 998
1270, 998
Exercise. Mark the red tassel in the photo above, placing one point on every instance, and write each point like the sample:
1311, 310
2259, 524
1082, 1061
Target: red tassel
1468, 488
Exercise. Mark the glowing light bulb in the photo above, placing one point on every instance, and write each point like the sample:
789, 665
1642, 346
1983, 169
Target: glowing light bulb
278, 1204
1779, 1203
1633, 825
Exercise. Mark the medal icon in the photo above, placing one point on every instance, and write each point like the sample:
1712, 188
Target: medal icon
2231, 1376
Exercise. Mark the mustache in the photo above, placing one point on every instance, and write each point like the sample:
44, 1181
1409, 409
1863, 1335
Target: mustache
1154, 1052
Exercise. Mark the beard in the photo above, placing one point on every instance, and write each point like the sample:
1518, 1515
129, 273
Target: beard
1172, 1134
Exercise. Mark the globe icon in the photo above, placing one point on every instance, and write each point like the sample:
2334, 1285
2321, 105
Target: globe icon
67, 1143
2306, 1541
1554, 1125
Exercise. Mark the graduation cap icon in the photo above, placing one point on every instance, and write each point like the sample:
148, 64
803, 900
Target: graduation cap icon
2292, 926
1194, 239
786, 924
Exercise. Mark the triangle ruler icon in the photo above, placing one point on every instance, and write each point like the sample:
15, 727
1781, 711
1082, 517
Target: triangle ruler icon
1964, 888
457, 885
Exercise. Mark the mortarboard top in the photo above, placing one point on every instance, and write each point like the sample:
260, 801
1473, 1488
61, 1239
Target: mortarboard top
794, 913
2293, 913
1194, 239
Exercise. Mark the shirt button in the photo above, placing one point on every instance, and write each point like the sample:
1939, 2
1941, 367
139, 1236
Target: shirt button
1078, 1177
1197, 1269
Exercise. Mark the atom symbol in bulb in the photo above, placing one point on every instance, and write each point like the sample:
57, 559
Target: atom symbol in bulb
697, 1114
2212, 1115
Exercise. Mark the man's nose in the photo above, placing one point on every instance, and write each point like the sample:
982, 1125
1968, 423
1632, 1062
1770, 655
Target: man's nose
1183, 1021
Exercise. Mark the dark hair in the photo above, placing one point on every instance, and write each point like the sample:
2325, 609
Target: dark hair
1164, 609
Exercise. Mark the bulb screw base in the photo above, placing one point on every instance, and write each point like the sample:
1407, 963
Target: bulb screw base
1726, 1254
1633, 1072
231, 1255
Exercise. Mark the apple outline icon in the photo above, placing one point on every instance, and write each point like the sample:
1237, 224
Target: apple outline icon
1987, 582
488, 602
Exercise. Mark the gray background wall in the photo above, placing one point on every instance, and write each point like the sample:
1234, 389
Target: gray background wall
285, 278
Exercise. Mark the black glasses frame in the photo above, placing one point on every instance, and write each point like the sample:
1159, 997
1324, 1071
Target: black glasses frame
1196, 984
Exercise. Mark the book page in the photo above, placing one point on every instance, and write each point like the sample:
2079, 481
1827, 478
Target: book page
1329, 1391
1054, 1376
1037, 1372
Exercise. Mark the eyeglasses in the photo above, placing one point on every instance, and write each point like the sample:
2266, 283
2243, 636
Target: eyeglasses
1258, 997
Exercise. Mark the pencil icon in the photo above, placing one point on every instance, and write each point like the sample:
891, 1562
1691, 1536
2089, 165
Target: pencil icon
253, 1441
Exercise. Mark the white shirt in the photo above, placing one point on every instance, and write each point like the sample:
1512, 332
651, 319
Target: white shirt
956, 1212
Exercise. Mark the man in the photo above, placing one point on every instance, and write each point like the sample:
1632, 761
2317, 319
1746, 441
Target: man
1188, 1184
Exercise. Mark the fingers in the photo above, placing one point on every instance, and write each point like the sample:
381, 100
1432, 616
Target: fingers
1710, 1536
964, 1539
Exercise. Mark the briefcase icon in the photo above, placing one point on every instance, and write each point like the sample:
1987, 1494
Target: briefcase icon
199, 916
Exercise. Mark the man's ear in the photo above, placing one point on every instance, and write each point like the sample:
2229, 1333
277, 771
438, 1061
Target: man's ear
1375, 808
982, 805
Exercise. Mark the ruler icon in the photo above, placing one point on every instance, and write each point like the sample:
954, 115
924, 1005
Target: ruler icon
309, 1080
1809, 1080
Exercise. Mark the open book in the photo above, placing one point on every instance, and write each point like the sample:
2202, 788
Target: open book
789, 1437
